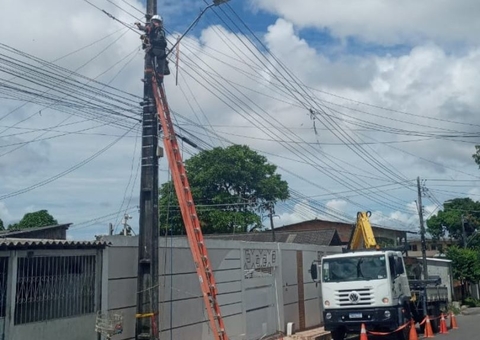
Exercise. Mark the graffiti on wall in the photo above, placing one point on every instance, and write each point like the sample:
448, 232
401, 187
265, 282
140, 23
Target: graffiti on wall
259, 262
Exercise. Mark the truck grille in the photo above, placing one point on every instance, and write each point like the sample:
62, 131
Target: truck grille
354, 297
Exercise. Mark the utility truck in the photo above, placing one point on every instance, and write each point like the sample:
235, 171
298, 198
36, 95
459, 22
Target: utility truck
372, 286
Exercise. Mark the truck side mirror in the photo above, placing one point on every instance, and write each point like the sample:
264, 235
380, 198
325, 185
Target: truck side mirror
314, 271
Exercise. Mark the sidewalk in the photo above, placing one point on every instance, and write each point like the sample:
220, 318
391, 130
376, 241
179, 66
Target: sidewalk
471, 311
312, 334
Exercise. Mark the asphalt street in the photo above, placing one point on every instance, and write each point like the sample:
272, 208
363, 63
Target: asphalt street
468, 329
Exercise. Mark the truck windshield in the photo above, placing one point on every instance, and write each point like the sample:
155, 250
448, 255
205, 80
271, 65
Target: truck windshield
354, 269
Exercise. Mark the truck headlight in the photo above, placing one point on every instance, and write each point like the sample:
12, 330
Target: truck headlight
327, 303
328, 316
385, 300
387, 314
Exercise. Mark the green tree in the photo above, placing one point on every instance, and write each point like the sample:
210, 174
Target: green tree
231, 188
449, 220
35, 219
465, 264
2, 227
476, 155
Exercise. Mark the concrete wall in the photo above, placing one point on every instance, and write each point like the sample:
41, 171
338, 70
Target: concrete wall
262, 286
74, 328
442, 268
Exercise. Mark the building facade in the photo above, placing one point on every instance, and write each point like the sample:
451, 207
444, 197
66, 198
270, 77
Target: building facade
49, 289
52, 232
384, 236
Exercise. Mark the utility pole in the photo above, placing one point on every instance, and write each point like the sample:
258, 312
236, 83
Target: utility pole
147, 281
422, 230
464, 234
270, 207
126, 228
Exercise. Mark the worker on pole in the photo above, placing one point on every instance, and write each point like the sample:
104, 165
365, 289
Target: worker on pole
155, 43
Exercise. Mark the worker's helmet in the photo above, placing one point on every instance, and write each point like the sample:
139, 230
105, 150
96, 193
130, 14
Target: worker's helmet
157, 17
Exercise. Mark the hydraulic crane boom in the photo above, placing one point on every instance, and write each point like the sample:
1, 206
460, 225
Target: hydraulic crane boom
189, 214
363, 229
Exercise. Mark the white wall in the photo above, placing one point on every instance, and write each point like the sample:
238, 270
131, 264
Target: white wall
253, 303
442, 268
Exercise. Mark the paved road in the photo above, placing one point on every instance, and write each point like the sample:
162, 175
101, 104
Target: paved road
468, 329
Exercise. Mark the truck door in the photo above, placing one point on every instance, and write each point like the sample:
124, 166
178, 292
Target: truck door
394, 276
399, 281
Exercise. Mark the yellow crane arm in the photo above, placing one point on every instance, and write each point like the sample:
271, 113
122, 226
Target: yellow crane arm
363, 229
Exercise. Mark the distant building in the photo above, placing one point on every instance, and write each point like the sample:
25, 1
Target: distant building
52, 232
323, 237
49, 288
384, 236
434, 248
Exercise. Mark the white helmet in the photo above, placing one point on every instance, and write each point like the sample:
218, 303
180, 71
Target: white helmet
157, 17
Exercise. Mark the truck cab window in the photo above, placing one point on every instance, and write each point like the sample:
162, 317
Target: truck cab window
354, 269
392, 265
399, 268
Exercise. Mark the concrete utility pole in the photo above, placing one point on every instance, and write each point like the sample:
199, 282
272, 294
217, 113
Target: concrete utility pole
271, 220
464, 234
126, 228
422, 230
147, 282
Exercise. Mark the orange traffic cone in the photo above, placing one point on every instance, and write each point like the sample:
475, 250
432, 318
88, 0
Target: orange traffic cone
453, 321
363, 333
443, 325
428, 333
413, 331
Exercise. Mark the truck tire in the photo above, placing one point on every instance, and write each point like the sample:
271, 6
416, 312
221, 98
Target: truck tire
338, 334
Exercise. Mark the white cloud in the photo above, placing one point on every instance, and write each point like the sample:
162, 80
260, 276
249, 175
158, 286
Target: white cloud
384, 22
4, 214
428, 80
336, 205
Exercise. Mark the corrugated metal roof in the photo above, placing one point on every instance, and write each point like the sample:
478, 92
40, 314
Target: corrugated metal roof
8, 232
25, 243
323, 237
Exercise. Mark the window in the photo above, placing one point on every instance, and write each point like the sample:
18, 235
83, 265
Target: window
354, 269
54, 287
413, 247
391, 264
399, 269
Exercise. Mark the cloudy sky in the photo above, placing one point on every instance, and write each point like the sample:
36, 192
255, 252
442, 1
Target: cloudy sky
351, 100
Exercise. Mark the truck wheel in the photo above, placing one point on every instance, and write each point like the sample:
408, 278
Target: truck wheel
338, 334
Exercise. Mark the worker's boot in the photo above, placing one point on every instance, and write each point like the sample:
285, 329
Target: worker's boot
166, 69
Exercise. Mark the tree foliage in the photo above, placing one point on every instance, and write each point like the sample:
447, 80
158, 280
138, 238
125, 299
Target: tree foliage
465, 263
448, 222
231, 187
476, 155
2, 227
35, 219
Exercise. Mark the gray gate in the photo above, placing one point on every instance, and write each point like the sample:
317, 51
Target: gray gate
3, 294
260, 267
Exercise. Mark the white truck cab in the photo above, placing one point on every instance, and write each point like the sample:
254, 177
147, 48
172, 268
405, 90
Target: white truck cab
369, 287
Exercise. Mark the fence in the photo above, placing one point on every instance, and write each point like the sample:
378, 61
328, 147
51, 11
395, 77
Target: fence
262, 286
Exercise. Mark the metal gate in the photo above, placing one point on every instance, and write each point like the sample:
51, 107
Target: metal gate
259, 292
3, 294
